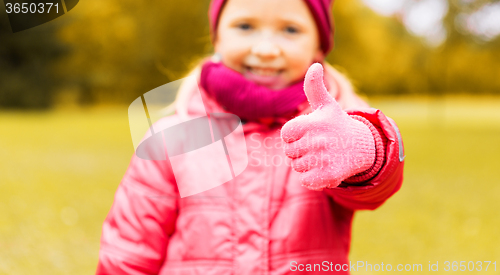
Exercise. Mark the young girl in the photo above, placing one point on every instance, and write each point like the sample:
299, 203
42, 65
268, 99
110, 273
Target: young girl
276, 217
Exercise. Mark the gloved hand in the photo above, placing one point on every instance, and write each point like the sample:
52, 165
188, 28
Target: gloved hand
326, 146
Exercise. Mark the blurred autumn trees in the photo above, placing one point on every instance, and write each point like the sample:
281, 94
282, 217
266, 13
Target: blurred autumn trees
383, 58
26, 73
113, 51
101, 52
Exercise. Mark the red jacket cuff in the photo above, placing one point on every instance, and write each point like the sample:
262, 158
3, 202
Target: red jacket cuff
380, 144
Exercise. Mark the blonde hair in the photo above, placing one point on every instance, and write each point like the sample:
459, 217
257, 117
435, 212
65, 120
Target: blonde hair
183, 92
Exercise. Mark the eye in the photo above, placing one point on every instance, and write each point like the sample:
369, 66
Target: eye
244, 26
291, 29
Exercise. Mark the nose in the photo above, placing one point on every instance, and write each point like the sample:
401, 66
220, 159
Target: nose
266, 49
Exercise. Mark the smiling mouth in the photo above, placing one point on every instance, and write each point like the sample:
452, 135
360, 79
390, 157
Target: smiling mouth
266, 72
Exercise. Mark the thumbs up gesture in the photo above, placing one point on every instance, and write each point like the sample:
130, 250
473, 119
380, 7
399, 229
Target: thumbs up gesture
326, 146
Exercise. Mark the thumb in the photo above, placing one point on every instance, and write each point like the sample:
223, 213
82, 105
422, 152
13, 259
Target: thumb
315, 89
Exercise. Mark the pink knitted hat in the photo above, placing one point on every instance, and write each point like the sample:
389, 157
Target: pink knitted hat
320, 10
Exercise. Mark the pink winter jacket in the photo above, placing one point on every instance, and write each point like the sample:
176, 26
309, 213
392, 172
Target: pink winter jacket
261, 222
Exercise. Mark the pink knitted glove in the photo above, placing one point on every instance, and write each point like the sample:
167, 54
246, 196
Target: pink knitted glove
326, 146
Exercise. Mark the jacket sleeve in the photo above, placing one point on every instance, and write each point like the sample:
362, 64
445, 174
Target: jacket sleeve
373, 192
136, 231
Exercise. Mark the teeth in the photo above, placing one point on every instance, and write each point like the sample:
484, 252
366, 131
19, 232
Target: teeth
264, 72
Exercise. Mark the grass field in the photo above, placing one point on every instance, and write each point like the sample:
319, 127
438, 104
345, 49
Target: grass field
59, 171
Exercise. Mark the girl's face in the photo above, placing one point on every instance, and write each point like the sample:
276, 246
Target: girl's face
270, 42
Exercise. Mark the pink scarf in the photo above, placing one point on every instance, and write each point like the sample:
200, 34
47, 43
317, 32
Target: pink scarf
247, 99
